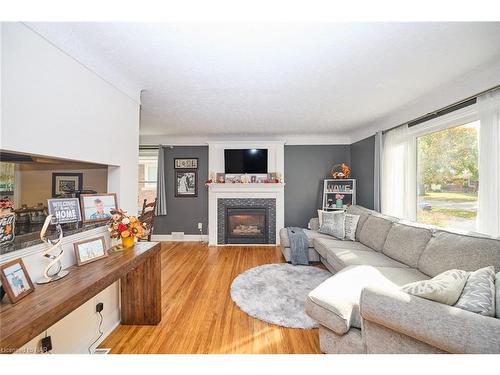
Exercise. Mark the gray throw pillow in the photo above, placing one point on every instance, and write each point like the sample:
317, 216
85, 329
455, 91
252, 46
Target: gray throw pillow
444, 288
350, 225
478, 295
333, 224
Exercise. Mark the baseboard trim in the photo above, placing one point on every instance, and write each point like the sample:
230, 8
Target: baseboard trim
186, 237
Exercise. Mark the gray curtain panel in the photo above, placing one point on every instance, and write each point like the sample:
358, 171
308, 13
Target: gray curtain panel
161, 204
376, 174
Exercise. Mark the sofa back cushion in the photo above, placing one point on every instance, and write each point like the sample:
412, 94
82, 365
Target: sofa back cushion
374, 231
497, 291
363, 215
406, 243
447, 250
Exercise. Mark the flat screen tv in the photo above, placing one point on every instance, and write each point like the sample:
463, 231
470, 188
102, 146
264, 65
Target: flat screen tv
250, 160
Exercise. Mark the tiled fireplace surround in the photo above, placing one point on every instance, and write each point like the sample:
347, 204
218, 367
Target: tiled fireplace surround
268, 203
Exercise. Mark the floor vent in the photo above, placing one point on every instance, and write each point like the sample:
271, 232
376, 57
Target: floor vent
177, 236
102, 351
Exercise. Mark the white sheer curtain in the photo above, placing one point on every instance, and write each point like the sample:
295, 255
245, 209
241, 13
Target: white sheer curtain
398, 174
488, 213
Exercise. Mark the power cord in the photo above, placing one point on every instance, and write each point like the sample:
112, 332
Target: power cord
100, 332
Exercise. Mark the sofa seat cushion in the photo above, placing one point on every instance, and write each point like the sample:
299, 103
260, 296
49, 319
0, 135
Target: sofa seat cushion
406, 243
335, 302
311, 235
447, 250
375, 231
323, 245
340, 258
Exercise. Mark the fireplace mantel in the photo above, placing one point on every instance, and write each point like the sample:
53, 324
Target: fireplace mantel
220, 191
246, 187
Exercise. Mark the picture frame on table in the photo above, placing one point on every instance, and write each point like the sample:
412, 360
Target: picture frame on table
186, 183
16, 281
97, 207
188, 163
64, 183
272, 177
64, 210
220, 178
90, 250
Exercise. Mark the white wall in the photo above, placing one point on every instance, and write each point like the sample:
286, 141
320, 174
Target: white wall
482, 78
52, 105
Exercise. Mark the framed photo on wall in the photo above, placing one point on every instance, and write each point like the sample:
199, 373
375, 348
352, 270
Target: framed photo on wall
64, 183
15, 280
90, 250
186, 183
97, 207
191, 163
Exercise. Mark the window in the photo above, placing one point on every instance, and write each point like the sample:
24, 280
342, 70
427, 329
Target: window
448, 177
148, 169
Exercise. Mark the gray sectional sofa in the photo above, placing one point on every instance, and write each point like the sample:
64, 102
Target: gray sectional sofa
361, 308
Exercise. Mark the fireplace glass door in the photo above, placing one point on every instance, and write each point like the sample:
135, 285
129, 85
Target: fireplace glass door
246, 225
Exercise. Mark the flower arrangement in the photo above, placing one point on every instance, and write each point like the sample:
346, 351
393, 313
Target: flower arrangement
339, 196
340, 171
125, 227
6, 205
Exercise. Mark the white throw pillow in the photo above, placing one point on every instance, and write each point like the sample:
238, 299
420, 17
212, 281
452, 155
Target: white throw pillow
333, 224
444, 288
350, 225
320, 217
478, 295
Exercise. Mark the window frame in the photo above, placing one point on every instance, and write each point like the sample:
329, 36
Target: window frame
147, 154
459, 117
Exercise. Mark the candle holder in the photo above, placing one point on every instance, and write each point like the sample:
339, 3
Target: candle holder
54, 270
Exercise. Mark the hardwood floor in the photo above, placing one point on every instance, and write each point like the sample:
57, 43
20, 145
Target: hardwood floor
198, 315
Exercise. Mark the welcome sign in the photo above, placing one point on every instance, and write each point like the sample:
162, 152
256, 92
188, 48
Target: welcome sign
7, 228
65, 210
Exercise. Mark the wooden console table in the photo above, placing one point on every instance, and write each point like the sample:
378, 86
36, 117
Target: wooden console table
139, 269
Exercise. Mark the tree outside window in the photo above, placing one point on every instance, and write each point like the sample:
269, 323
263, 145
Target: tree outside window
448, 177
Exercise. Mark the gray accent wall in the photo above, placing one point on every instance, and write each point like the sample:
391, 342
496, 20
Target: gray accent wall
362, 166
184, 214
305, 169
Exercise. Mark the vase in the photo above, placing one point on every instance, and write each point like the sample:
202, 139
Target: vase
339, 203
128, 241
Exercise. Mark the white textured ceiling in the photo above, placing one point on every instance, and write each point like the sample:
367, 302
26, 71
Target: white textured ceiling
273, 79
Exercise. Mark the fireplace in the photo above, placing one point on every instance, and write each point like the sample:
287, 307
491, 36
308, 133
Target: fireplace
246, 220
246, 225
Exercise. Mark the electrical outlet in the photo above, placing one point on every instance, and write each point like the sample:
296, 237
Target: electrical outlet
200, 226
46, 344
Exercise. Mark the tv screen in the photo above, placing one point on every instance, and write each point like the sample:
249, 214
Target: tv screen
253, 160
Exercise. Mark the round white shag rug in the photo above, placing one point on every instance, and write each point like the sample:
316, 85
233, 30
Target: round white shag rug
276, 293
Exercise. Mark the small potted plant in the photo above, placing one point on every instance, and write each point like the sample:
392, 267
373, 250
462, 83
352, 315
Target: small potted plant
125, 227
338, 200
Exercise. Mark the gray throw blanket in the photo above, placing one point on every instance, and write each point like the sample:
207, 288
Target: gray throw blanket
299, 246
